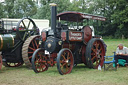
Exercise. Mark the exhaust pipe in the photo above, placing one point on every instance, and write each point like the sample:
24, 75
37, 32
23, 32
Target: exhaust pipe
53, 17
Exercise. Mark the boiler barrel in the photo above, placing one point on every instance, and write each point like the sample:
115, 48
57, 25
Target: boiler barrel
6, 41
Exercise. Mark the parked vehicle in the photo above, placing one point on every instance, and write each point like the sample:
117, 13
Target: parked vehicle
68, 43
18, 40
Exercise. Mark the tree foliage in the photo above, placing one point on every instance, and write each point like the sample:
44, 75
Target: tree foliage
115, 11
44, 11
1, 10
119, 17
19, 8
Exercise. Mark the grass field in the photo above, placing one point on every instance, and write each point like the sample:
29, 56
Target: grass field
80, 75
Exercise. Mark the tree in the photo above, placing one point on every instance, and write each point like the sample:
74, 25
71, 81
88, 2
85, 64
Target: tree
44, 11
116, 14
20, 8
8, 8
120, 18
117, 18
1, 11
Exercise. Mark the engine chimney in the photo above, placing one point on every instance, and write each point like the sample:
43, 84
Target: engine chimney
53, 17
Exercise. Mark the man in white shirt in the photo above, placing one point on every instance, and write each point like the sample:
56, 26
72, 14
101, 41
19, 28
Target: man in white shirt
121, 53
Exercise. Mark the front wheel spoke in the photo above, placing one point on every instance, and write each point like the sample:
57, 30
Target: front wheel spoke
40, 66
61, 61
69, 58
40, 56
62, 65
64, 57
67, 67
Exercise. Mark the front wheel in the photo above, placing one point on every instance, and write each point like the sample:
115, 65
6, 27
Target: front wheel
39, 61
65, 61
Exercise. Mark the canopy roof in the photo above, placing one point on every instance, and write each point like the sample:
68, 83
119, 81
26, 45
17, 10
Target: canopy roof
78, 16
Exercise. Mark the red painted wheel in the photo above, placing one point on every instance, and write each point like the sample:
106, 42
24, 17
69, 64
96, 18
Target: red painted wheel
8, 64
39, 61
28, 48
95, 53
0, 62
65, 61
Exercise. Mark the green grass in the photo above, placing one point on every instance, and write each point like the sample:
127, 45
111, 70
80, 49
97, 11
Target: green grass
80, 75
112, 45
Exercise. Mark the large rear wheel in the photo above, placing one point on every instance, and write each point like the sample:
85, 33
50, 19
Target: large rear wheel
39, 61
65, 61
95, 53
28, 48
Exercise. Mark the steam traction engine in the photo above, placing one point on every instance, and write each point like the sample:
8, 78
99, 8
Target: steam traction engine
18, 40
68, 46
